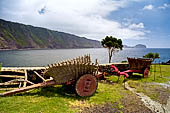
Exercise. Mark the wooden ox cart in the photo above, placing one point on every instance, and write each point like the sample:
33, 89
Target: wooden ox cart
79, 72
136, 65
139, 65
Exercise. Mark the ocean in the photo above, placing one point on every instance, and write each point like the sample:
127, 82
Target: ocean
12, 58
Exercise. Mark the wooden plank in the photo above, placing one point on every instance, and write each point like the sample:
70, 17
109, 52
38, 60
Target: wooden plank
22, 68
108, 64
48, 83
26, 77
39, 76
8, 83
9, 70
12, 76
19, 80
29, 82
7, 89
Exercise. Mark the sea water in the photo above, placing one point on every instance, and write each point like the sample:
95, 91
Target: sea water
44, 57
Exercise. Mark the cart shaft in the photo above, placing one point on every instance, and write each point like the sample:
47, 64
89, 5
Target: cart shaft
43, 84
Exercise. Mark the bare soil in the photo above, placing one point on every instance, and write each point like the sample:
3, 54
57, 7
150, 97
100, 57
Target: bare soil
132, 104
105, 108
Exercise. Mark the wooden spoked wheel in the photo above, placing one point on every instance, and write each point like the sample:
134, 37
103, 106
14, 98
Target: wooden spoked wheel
146, 72
86, 85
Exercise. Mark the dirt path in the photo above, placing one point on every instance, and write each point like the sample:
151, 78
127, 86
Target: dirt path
152, 105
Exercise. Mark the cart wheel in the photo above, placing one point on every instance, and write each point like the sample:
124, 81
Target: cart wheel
86, 85
146, 73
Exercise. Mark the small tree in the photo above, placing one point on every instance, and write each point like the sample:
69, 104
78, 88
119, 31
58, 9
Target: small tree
153, 56
113, 44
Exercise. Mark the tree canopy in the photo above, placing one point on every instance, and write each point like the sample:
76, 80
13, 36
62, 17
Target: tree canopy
152, 56
113, 44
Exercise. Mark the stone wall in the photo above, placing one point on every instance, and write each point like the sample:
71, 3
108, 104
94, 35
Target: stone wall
120, 66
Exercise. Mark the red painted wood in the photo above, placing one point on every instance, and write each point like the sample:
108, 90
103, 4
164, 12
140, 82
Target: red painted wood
146, 72
86, 85
133, 71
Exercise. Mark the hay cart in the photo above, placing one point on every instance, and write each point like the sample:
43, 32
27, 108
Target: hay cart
79, 72
139, 65
136, 65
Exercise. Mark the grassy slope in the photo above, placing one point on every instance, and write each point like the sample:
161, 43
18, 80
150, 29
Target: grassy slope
19, 36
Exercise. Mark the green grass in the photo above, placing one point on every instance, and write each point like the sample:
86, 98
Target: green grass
59, 99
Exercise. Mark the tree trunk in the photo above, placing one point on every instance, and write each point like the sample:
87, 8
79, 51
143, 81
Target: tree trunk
109, 59
110, 55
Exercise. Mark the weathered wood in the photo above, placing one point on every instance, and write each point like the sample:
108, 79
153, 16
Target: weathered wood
12, 76
39, 76
15, 69
26, 76
43, 84
29, 82
7, 89
9, 70
18, 80
8, 83
20, 83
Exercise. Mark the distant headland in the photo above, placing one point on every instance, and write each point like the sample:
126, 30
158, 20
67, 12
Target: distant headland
136, 46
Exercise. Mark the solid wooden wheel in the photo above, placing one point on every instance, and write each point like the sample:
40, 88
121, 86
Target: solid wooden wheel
86, 85
146, 72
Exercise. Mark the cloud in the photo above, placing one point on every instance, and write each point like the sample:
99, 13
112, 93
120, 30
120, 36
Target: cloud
86, 18
137, 26
148, 7
164, 6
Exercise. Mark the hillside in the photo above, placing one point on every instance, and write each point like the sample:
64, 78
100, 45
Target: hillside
20, 36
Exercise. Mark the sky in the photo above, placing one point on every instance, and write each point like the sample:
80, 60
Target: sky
134, 21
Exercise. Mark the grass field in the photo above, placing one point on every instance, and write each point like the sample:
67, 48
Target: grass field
59, 99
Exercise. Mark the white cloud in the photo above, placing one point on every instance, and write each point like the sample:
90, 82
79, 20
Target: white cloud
164, 6
87, 18
137, 26
148, 7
